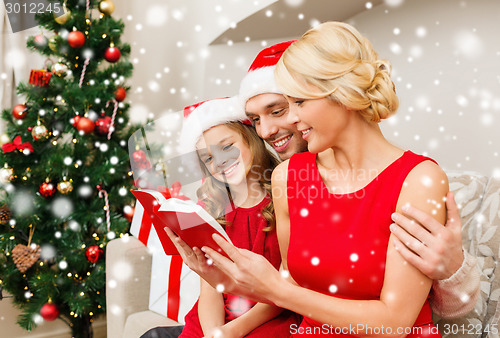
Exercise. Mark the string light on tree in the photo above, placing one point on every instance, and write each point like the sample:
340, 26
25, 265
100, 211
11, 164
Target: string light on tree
123, 191
128, 212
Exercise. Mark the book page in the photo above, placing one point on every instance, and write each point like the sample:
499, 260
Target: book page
183, 206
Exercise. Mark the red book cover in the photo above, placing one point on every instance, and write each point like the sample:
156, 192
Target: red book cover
187, 219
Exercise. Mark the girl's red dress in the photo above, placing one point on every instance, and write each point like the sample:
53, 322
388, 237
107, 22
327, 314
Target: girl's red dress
246, 231
338, 242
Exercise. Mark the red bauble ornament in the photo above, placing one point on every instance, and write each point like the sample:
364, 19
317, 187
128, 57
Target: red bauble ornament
140, 160
86, 125
112, 54
49, 311
75, 120
20, 111
76, 39
93, 253
120, 94
47, 189
128, 212
102, 125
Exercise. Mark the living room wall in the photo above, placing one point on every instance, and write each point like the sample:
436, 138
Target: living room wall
445, 56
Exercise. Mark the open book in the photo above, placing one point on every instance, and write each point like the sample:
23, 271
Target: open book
187, 219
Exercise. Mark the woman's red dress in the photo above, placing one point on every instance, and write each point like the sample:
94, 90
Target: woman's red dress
338, 242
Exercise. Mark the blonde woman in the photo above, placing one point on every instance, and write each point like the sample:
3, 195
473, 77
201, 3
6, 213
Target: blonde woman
334, 204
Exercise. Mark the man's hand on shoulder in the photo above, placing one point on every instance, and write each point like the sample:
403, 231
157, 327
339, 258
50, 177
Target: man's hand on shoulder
434, 249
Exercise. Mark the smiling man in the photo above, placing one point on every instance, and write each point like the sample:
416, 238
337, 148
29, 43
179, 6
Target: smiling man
434, 249
266, 107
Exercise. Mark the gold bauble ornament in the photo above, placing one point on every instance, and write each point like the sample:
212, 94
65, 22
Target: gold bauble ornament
62, 18
59, 69
4, 138
6, 174
65, 187
39, 132
54, 43
106, 7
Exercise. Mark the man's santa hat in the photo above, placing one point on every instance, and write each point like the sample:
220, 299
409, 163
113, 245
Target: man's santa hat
205, 115
260, 76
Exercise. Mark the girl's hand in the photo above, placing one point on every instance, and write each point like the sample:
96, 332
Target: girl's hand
249, 270
196, 261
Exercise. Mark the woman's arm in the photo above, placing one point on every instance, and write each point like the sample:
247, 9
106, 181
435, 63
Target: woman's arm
259, 314
195, 259
210, 308
442, 255
455, 272
405, 288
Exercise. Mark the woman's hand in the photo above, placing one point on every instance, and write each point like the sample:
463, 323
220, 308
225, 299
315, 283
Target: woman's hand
249, 270
196, 261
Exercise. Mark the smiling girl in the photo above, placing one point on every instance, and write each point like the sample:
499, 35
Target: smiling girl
237, 192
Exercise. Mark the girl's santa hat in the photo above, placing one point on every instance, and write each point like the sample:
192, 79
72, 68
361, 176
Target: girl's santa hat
260, 76
205, 115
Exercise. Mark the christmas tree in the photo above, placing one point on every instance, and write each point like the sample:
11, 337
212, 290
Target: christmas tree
65, 169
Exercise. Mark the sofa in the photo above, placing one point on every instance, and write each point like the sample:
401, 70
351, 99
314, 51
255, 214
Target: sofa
128, 265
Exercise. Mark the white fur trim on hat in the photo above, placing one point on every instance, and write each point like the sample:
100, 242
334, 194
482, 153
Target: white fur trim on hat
205, 116
257, 82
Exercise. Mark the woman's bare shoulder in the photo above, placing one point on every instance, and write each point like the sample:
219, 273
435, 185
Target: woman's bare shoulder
428, 174
426, 187
280, 173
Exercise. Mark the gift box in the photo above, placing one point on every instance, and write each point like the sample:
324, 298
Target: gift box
156, 164
40, 77
174, 287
